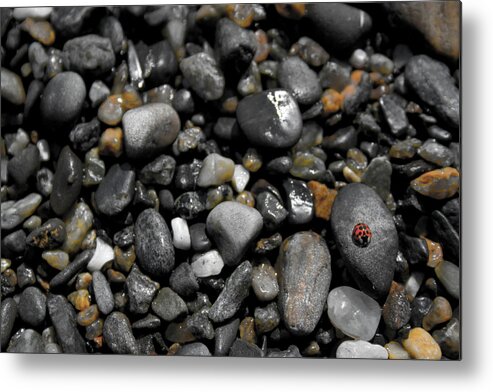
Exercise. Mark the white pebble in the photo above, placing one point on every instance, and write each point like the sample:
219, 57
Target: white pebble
208, 264
413, 283
44, 150
32, 12
102, 255
216, 170
361, 349
20, 142
181, 234
241, 176
359, 59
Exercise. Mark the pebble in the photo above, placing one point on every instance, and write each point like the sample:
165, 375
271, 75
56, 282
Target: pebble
335, 75
397, 309
32, 12
102, 293
168, 305
50, 235
78, 222
26, 341
32, 306
359, 59
371, 266
449, 275
88, 316
272, 210
447, 236
62, 101
140, 290
194, 349
356, 314
339, 26
148, 322
207, 264
233, 227
225, 336
94, 168
101, 257
14, 213
267, 318
270, 118
421, 345
241, 348
148, 129
247, 330
361, 349
264, 282
323, 199
310, 52
111, 142
183, 280
25, 276
116, 190
432, 82
12, 87
252, 160
71, 270
381, 64
378, 176
341, 140
304, 278
405, 149
204, 76
117, 333
240, 178
231, 297
291, 352
449, 339
98, 92
63, 317
160, 65
436, 153
307, 166
8, 314
396, 351
200, 241
181, 234
295, 76
84, 136
438, 184
299, 201
153, 243
440, 312
40, 30
80, 299
394, 114
89, 55
216, 170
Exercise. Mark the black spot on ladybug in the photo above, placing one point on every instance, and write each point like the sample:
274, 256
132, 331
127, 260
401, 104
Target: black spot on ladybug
361, 235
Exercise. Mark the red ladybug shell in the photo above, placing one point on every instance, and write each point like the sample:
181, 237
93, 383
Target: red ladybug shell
361, 234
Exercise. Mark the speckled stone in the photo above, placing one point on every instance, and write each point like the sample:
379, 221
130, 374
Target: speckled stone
304, 277
397, 309
438, 184
32, 306
89, 55
118, 335
421, 345
8, 314
361, 349
102, 293
168, 305
141, 291
116, 190
371, 266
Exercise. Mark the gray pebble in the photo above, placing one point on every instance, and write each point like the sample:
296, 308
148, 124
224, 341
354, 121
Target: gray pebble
160, 171
14, 213
12, 87
84, 136
395, 115
291, 352
299, 201
168, 305
241, 348
378, 176
140, 290
89, 55
8, 314
116, 190
225, 336
50, 235
32, 306
183, 281
26, 341
436, 153
73, 268
102, 293
194, 349
23, 166
335, 75
204, 76
198, 236
118, 335
271, 209
297, 77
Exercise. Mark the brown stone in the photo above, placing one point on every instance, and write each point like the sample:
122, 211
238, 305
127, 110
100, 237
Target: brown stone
247, 330
396, 311
421, 345
41, 30
435, 253
331, 101
438, 184
81, 299
323, 199
440, 312
263, 47
246, 198
124, 259
87, 316
291, 10
111, 142
241, 14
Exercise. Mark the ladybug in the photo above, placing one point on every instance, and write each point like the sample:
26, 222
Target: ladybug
361, 235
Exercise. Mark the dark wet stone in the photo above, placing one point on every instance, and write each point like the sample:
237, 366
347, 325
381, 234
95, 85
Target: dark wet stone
80, 262
378, 176
448, 237
84, 136
140, 290
451, 210
166, 200
296, 76
396, 311
69, 21
124, 237
149, 129
50, 235
116, 190
235, 46
440, 134
8, 314
281, 165
341, 140
340, 27
233, 227
102, 293
241, 348
90, 55
24, 166
235, 291
154, 244
436, 153
419, 309
143, 197
168, 305
148, 322
25, 276
160, 64
12, 87
430, 80
414, 249
111, 28
183, 101
33, 96
183, 281
187, 174
335, 75
270, 118
413, 169
200, 326
225, 336
356, 99
299, 201
204, 76
32, 306
118, 335
194, 349
26, 341
291, 352
199, 239
14, 244
271, 209
394, 114
266, 318
160, 171
448, 338
226, 128
304, 277
59, 113
372, 266
67, 182
63, 317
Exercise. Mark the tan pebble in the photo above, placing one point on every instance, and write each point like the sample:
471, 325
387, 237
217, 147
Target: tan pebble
331, 101
83, 281
247, 330
252, 160
421, 345
230, 104
263, 47
440, 312
115, 276
396, 351
350, 175
57, 259
87, 316
124, 259
438, 184
81, 299
77, 224
241, 14
323, 198
111, 142
41, 30
110, 111
435, 253
246, 198
173, 349
89, 241
312, 350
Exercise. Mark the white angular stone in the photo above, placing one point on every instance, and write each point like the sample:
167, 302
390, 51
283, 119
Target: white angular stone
216, 170
356, 314
181, 234
241, 176
102, 255
208, 264
361, 349
32, 12
44, 150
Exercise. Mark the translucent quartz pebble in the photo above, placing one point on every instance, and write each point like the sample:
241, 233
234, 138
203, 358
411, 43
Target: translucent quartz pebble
353, 312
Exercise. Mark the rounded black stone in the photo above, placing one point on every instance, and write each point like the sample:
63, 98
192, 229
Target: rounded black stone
116, 191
